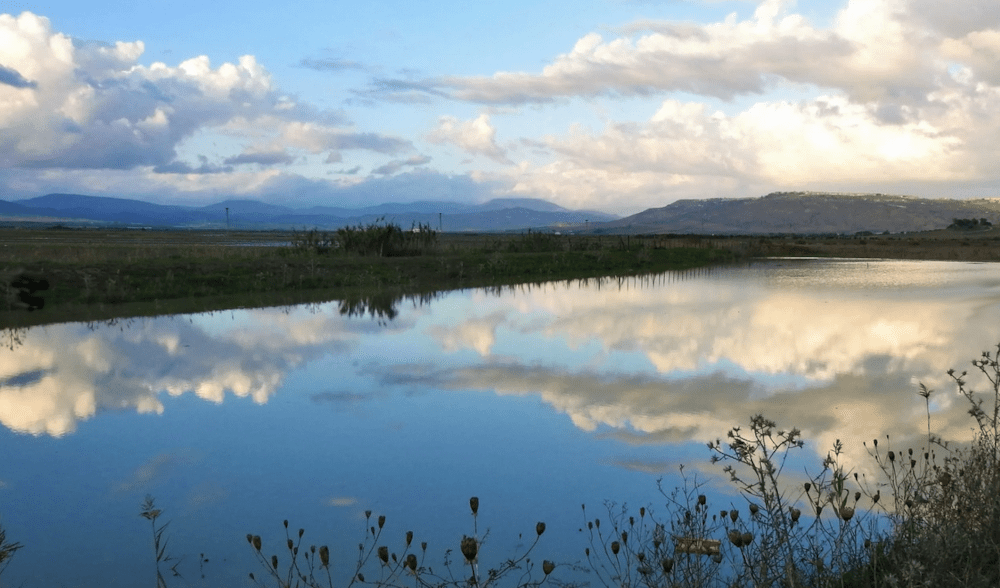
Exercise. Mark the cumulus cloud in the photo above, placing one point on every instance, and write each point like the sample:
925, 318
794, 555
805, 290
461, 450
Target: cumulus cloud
723, 60
874, 50
476, 136
71, 104
777, 144
903, 93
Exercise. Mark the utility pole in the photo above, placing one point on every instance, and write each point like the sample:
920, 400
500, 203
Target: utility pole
227, 219
440, 214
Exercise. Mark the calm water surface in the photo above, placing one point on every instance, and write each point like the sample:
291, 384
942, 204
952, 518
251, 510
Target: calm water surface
534, 399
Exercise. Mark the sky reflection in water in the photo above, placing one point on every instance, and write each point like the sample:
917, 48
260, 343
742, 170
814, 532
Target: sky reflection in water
536, 399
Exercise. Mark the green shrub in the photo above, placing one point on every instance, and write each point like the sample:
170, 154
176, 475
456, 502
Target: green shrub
384, 239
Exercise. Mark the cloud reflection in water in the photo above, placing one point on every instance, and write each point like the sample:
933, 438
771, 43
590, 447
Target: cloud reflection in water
832, 347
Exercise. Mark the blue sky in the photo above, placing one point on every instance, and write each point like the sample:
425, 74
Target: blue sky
614, 105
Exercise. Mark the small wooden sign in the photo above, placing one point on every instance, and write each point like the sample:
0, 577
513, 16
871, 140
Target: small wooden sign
696, 546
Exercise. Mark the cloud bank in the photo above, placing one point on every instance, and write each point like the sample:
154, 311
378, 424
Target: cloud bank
886, 95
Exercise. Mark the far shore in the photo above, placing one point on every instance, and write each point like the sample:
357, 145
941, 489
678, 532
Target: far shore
106, 274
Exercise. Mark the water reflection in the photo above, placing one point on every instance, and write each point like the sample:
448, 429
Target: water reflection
665, 358
368, 403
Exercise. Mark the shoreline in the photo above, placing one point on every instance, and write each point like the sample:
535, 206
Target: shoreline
99, 275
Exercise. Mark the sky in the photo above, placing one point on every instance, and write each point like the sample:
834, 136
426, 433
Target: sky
611, 105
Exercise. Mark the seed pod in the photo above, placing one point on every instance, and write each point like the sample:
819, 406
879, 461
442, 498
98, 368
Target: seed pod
631, 521
624, 538
892, 456
590, 525
411, 562
819, 509
846, 513
642, 511
409, 538
274, 561
717, 558
290, 544
423, 546
747, 538
667, 564
474, 504
877, 496
324, 556
615, 547
597, 523
368, 514
547, 567
640, 556
381, 521
256, 542
249, 538
702, 499
361, 577
808, 486
754, 508
383, 554
736, 538
539, 528
857, 496
796, 513
470, 548
734, 514
286, 523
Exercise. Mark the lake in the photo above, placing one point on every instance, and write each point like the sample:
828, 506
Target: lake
535, 399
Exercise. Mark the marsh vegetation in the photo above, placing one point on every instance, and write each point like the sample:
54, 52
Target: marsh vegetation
90, 271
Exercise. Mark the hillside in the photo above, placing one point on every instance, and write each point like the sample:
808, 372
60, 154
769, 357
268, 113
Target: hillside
503, 214
804, 213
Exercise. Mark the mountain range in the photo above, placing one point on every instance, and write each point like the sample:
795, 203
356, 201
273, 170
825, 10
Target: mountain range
500, 214
775, 213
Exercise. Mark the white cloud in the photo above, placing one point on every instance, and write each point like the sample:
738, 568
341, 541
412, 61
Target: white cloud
722, 59
476, 136
73, 104
895, 102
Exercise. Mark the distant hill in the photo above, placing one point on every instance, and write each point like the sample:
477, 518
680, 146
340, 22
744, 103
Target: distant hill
803, 213
779, 212
503, 214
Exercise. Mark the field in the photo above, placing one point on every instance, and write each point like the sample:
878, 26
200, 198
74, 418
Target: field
100, 274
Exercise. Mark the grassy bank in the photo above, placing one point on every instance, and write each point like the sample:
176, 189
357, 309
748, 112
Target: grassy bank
102, 274
99, 274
